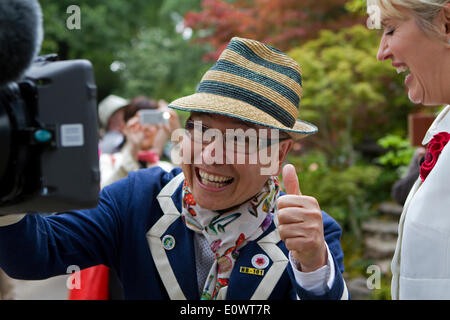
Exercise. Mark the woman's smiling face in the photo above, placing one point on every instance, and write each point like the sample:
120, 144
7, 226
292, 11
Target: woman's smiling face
417, 54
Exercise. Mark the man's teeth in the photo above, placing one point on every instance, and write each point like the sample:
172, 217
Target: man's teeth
208, 178
402, 69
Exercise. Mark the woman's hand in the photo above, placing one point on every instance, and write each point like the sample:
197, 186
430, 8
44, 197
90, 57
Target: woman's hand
134, 134
174, 120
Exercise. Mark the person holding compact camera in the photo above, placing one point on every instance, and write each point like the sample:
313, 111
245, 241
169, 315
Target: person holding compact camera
138, 149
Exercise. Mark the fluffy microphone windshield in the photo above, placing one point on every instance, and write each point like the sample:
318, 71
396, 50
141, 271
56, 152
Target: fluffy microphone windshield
21, 36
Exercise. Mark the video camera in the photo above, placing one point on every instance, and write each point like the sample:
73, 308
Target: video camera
48, 129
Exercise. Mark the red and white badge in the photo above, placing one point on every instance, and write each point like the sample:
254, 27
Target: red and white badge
260, 261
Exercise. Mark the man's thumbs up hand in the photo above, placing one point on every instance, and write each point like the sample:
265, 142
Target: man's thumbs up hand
290, 180
300, 224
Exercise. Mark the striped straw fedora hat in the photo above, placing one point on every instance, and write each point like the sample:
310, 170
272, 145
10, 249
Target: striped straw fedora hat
252, 82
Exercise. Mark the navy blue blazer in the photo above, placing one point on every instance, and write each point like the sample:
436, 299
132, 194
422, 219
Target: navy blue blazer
125, 232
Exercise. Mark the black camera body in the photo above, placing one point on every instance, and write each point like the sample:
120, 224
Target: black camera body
49, 159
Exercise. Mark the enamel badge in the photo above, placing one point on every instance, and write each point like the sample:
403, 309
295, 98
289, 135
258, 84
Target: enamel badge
168, 242
260, 261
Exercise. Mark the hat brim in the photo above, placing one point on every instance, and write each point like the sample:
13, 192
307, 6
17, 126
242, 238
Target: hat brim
211, 103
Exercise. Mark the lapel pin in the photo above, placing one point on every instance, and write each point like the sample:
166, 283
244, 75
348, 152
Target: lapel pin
260, 261
168, 242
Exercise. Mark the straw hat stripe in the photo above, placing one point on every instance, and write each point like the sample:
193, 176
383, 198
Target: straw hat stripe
250, 97
243, 111
244, 50
227, 66
252, 86
235, 58
273, 54
255, 83
240, 110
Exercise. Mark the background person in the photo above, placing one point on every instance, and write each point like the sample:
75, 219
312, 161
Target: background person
110, 113
162, 143
402, 187
138, 150
416, 39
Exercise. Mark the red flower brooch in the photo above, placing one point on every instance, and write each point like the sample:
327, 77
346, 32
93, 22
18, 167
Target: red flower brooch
434, 149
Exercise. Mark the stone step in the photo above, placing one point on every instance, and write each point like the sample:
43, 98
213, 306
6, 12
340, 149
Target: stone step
357, 287
390, 208
376, 248
386, 228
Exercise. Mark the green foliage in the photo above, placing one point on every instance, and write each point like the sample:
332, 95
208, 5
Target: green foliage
384, 292
358, 6
345, 194
348, 94
161, 65
109, 28
106, 25
160, 61
399, 151
171, 7
355, 264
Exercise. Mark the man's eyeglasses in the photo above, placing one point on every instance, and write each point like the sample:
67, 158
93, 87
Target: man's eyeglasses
240, 140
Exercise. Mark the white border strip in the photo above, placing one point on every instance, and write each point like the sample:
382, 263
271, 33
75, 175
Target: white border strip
10, 219
273, 275
171, 214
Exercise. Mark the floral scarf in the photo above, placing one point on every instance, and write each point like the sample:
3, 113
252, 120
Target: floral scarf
227, 232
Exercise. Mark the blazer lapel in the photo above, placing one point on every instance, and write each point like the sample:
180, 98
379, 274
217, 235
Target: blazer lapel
171, 245
182, 258
258, 268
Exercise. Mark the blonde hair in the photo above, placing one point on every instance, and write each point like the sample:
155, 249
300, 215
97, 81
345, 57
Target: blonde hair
424, 12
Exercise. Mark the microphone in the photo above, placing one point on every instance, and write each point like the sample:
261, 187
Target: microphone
21, 35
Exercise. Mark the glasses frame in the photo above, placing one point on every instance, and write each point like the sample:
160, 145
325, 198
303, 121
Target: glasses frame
191, 125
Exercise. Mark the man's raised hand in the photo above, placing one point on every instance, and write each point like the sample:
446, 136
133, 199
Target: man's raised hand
300, 224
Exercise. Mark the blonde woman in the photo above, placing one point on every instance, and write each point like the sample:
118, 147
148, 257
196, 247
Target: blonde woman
416, 39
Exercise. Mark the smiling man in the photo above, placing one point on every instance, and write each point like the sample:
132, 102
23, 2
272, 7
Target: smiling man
219, 227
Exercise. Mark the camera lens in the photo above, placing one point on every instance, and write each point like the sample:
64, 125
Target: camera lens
14, 121
5, 128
